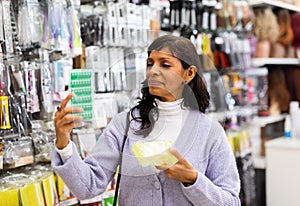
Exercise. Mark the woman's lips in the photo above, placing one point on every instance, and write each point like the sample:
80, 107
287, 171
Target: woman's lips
154, 83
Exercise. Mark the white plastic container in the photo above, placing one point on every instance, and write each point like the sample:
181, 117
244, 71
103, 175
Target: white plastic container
295, 117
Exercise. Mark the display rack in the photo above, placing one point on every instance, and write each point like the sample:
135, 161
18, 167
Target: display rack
274, 3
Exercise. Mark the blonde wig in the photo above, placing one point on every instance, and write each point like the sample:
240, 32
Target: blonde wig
265, 25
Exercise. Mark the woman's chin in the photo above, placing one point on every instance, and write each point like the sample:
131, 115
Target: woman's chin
156, 91
163, 94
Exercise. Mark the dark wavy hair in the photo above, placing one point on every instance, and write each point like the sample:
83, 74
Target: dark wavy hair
195, 95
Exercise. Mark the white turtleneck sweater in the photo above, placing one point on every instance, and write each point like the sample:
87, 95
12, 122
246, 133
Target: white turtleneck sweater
171, 118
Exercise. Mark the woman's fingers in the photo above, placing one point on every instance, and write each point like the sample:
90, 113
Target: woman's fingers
162, 167
174, 152
182, 171
180, 158
65, 119
181, 164
68, 110
66, 100
69, 126
64, 123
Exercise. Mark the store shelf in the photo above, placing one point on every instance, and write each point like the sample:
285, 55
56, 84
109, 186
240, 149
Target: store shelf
259, 62
262, 71
276, 3
263, 121
86, 1
284, 143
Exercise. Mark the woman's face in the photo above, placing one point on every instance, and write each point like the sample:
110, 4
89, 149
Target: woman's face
165, 75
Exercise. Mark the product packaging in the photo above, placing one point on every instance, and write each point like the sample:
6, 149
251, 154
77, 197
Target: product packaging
17, 151
32, 194
153, 153
108, 198
49, 189
64, 194
81, 87
295, 118
9, 195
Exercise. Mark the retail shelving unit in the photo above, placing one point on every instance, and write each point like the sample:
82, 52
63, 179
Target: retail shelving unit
259, 62
274, 3
276, 180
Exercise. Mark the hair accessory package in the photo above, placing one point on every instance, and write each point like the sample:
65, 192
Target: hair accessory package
81, 86
154, 153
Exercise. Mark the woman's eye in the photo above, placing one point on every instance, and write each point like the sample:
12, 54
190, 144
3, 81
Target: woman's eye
163, 65
149, 64
166, 65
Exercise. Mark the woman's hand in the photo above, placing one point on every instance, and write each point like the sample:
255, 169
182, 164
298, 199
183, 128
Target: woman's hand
65, 121
182, 171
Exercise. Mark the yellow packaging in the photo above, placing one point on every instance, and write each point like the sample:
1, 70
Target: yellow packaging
32, 195
49, 190
9, 197
231, 142
62, 189
152, 153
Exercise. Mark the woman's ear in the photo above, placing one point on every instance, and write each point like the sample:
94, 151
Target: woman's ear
189, 73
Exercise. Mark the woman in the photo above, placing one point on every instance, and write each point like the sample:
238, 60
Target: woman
174, 99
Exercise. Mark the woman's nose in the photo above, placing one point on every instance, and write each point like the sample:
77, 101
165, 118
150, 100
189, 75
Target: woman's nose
155, 69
